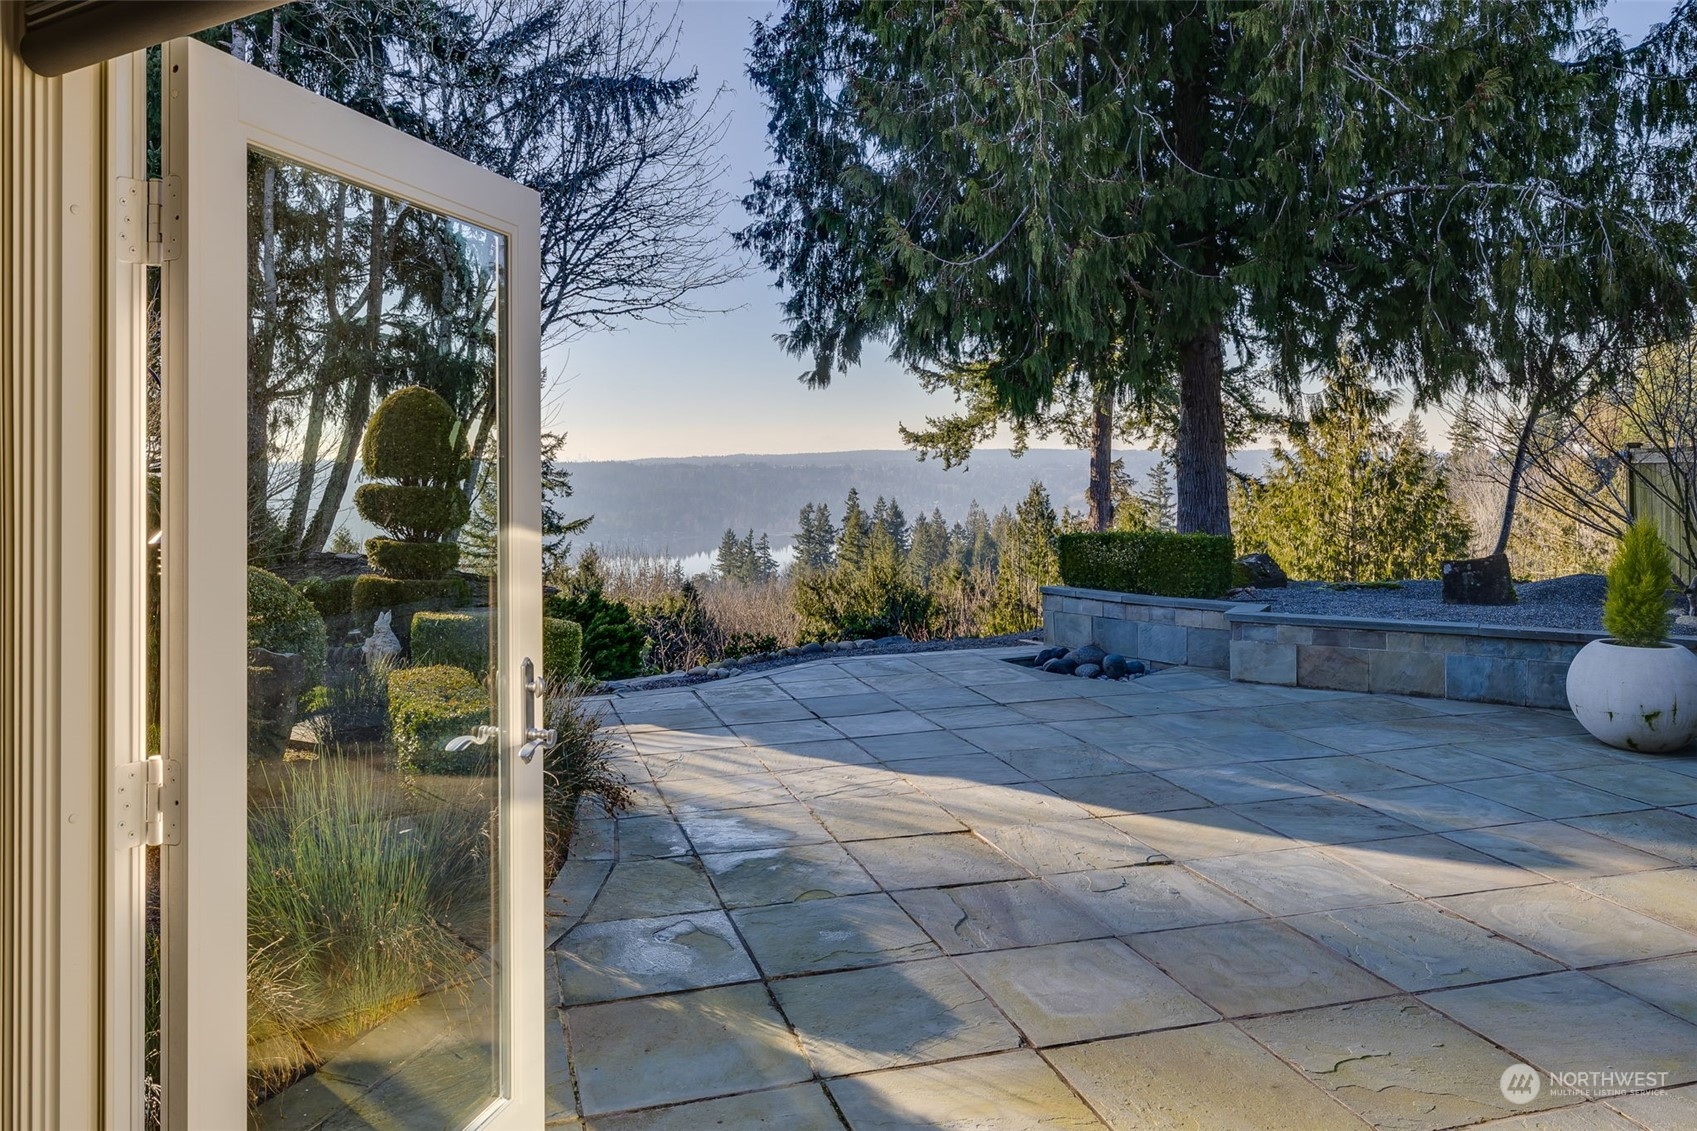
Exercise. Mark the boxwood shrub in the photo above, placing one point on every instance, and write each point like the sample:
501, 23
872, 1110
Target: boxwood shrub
373, 594
331, 596
461, 639
280, 619
413, 560
427, 707
1155, 562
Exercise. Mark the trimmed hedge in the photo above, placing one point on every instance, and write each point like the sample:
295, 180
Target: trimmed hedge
458, 639
461, 639
373, 594
280, 619
1155, 562
413, 561
415, 437
562, 649
331, 596
417, 513
428, 706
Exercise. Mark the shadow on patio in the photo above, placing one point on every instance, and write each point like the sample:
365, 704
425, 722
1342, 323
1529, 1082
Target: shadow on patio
943, 890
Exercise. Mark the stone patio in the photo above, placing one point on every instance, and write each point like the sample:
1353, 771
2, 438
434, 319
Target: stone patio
941, 890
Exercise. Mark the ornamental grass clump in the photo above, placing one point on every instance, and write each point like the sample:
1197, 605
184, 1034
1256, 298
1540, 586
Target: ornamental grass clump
1635, 611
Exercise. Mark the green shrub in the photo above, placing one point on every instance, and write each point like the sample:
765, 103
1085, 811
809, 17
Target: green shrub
578, 765
1635, 612
875, 599
428, 706
457, 639
612, 640
280, 619
414, 437
331, 596
1148, 561
562, 649
373, 594
418, 514
412, 561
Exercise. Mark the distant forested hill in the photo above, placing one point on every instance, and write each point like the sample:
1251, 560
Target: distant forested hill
680, 507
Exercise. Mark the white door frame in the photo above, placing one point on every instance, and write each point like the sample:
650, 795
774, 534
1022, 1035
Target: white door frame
216, 108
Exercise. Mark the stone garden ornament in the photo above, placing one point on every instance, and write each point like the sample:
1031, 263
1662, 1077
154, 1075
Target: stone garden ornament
1635, 690
382, 646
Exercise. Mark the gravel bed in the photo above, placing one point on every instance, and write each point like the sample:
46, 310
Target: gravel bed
836, 651
1572, 602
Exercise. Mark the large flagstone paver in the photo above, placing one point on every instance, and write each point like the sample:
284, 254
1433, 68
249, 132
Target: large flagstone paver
1012, 1091
800, 1107
1080, 991
1578, 928
1397, 1064
941, 891
1211, 1077
658, 1050
1257, 966
1570, 1022
911, 1013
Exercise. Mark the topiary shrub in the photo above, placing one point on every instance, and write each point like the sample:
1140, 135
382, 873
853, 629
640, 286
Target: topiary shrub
562, 649
428, 706
280, 619
1155, 562
1635, 611
374, 594
415, 440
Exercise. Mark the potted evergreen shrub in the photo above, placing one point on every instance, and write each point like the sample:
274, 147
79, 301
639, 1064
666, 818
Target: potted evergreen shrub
1635, 690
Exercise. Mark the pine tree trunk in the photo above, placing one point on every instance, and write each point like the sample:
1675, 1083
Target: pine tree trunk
1101, 495
1517, 473
1199, 450
359, 396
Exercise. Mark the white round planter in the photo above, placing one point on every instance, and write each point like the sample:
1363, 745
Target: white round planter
1641, 699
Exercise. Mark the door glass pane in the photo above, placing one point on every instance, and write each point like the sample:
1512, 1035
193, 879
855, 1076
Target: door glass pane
374, 343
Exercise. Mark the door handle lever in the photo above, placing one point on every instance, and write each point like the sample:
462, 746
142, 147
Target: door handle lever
536, 738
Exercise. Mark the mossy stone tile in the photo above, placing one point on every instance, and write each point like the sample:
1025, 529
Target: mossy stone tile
831, 934
1010, 1091
1080, 991
910, 1013
1210, 1076
764, 876
1256, 967
689, 1046
1398, 1064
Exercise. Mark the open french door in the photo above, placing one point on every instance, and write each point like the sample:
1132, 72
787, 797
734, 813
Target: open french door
351, 928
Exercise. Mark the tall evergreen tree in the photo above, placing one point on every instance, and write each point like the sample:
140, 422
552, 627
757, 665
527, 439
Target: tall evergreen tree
1157, 497
857, 529
816, 541
763, 565
729, 560
1028, 563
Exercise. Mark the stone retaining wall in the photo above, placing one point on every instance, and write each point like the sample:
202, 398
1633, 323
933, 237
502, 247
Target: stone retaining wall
1526, 667
1158, 630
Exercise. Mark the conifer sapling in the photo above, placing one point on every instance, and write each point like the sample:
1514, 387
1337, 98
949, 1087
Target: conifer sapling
1635, 611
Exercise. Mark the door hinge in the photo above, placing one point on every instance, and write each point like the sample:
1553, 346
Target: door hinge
147, 220
146, 804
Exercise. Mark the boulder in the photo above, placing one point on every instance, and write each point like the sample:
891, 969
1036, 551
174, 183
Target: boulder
1135, 667
1087, 671
1088, 654
1061, 665
1478, 581
1114, 666
885, 642
1259, 571
812, 648
1048, 654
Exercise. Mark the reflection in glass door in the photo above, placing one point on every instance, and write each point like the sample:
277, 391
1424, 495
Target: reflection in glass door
373, 508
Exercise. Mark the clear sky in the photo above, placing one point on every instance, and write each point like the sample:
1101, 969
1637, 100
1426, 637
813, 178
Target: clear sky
718, 384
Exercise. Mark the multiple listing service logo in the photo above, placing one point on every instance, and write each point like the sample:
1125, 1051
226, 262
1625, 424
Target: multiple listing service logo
1520, 1084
